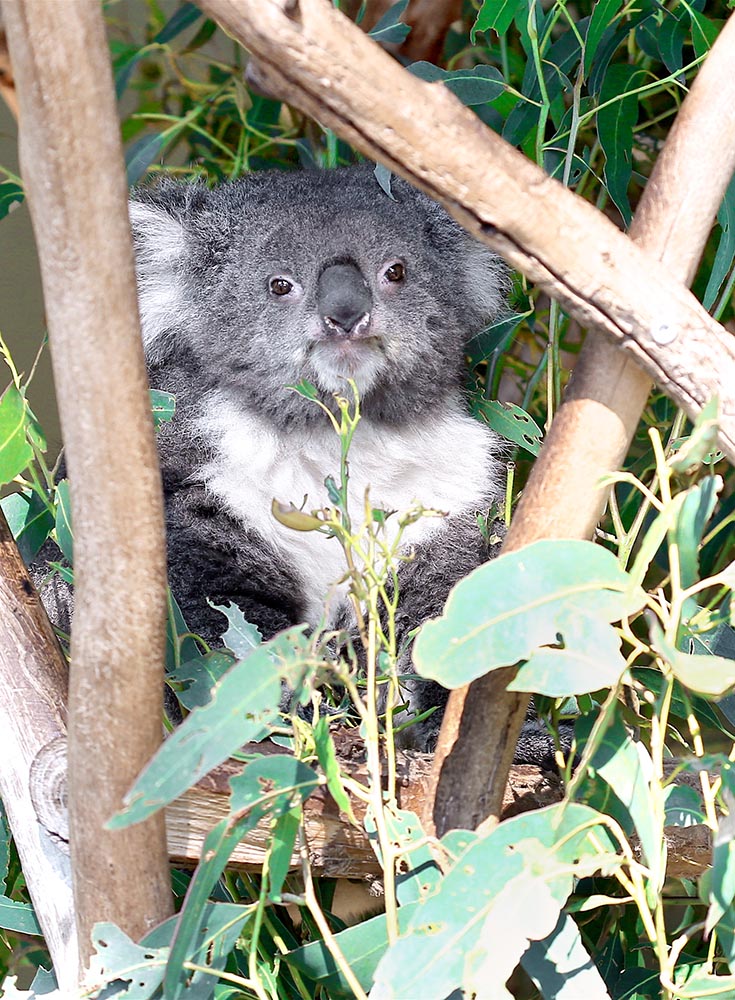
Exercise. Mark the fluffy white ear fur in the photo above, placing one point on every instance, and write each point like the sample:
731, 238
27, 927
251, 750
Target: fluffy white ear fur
160, 248
487, 280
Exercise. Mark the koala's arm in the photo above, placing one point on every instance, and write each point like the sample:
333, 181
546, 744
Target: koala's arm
211, 556
424, 582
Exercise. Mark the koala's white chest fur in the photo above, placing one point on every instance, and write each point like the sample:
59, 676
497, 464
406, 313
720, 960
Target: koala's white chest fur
447, 466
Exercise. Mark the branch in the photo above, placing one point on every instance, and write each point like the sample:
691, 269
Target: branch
313, 57
72, 168
592, 431
33, 679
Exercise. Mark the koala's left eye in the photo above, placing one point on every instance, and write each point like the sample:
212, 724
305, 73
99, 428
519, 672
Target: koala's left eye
395, 272
280, 286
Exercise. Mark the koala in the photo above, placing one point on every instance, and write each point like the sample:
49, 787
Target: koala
321, 276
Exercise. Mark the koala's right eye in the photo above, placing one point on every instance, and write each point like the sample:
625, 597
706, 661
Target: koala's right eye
280, 286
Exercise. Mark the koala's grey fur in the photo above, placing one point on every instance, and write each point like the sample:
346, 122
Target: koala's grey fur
219, 339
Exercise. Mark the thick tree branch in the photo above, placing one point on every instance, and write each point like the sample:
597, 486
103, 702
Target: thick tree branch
312, 56
592, 431
71, 158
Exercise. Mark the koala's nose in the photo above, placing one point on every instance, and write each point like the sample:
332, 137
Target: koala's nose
344, 301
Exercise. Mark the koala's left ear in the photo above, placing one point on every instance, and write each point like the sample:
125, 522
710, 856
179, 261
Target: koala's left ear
487, 278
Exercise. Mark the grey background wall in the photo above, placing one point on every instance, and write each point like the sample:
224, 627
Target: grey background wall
21, 300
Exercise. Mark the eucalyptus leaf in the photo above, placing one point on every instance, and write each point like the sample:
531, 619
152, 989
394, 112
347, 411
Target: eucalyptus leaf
615, 125
683, 806
116, 958
713, 676
30, 521
18, 917
283, 846
267, 786
15, 449
510, 421
163, 406
495, 15
478, 85
142, 153
63, 524
11, 196
507, 608
242, 637
327, 756
506, 889
725, 248
561, 967
390, 30
221, 926
693, 451
243, 704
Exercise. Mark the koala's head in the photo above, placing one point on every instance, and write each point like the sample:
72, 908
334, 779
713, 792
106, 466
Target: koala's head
320, 275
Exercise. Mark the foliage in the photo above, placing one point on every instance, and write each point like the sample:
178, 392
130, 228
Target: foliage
632, 637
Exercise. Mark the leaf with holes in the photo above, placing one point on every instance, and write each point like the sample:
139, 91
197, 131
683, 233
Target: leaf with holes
508, 608
510, 421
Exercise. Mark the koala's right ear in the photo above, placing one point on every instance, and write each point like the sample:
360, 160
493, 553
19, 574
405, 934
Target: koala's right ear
160, 244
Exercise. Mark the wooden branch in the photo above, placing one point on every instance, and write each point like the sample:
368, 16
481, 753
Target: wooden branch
591, 433
338, 850
312, 56
71, 157
33, 680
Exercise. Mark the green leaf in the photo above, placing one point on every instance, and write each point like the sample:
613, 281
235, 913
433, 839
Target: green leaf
507, 608
683, 806
725, 247
506, 889
625, 766
693, 450
362, 946
15, 450
510, 421
592, 661
64, 533
495, 14
494, 338
243, 704
186, 15
603, 13
305, 389
199, 677
478, 85
11, 196
180, 645
694, 514
221, 925
390, 30
142, 153
327, 756
268, 785
29, 519
242, 637
18, 917
283, 845
163, 406
707, 675
615, 125
561, 967
117, 958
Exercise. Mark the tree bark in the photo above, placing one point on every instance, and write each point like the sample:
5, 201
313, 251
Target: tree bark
592, 431
71, 159
312, 56
33, 679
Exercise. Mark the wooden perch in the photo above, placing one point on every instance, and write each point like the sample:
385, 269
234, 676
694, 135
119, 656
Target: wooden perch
339, 850
72, 166
312, 56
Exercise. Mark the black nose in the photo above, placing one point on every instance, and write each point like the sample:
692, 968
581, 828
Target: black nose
344, 301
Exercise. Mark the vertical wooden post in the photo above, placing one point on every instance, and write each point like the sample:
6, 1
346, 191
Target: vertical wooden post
72, 166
